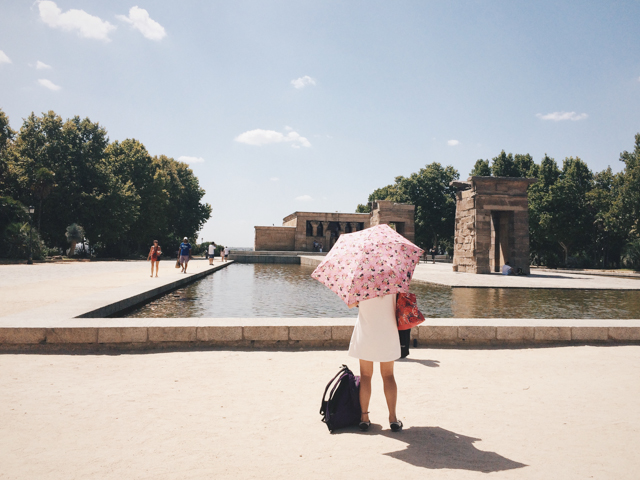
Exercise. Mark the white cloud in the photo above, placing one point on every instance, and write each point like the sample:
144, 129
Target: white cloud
87, 26
302, 82
261, 137
49, 84
274, 179
304, 198
560, 116
4, 58
140, 20
191, 160
453, 143
42, 66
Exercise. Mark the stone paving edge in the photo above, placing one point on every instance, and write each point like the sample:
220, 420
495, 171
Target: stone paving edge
309, 336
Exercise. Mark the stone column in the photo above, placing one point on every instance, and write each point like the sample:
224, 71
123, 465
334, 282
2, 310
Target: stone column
343, 228
314, 226
326, 243
354, 227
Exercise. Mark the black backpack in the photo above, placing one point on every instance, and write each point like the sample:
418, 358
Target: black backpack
342, 408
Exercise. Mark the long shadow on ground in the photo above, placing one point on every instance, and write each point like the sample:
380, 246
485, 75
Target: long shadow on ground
436, 448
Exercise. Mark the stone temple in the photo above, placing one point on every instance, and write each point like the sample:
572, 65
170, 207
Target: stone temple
492, 224
301, 229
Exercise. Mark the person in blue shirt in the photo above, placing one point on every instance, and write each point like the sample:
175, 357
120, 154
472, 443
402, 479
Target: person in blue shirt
185, 254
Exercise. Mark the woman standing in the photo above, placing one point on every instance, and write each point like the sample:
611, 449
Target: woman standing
375, 339
154, 255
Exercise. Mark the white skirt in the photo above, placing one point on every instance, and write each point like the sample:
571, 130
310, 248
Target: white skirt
375, 336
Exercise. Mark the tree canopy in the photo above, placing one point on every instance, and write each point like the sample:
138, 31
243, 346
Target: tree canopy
435, 201
576, 217
121, 196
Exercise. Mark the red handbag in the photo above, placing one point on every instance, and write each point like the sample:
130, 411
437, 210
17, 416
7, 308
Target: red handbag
407, 313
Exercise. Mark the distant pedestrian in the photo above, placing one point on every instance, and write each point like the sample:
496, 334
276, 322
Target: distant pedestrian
212, 252
507, 269
320, 247
433, 254
154, 256
226, 253
185, 254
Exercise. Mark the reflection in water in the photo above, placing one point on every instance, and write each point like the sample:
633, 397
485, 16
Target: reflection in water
278, 290
251, 290
544, 303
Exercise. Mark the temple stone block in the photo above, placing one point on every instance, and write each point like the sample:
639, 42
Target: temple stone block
300, 231
492, 222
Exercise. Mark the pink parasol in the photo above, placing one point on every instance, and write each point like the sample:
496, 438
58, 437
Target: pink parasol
370, 263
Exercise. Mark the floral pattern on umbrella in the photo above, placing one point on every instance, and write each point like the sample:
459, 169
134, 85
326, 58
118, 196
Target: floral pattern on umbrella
370, 263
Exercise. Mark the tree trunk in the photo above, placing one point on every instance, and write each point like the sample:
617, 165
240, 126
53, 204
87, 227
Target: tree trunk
566, 252
39, 213
72, 250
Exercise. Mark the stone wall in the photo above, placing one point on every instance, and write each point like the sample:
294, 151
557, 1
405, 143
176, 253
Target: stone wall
325, 228
275, 238
492, 224
401, 215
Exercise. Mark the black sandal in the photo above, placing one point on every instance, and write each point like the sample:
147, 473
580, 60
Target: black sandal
364, 426
396, 426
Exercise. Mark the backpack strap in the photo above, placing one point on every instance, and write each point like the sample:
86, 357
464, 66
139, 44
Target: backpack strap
324, 395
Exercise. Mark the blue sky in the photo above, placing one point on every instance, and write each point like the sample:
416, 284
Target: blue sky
283, 106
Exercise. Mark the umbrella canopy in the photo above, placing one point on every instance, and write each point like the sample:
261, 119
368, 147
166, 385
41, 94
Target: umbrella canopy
370, 263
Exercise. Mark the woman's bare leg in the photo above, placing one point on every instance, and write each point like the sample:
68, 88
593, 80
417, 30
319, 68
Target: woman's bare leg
152, 268
390, 389
157, 264
366, 372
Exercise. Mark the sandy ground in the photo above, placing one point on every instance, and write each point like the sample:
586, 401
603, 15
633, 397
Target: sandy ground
543, 413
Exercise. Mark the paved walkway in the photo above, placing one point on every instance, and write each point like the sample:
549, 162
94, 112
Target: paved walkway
442, 274
66, 290
543, 413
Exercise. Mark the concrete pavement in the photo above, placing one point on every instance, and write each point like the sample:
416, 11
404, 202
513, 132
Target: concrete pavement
50, 292
542, 413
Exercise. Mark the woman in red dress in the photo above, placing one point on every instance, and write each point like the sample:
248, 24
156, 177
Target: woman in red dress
154, 256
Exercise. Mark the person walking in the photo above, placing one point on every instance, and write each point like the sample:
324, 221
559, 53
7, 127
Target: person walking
154, 256
375, 339
433, 254
212, 252
185, 254
226, 253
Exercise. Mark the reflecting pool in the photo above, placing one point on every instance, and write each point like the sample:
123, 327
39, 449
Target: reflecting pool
278, 290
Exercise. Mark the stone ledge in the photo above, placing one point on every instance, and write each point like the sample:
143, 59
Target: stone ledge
336, 335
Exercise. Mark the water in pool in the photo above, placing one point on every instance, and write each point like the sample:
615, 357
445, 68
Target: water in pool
278, 290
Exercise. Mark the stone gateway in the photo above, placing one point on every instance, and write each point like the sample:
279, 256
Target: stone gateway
492, 224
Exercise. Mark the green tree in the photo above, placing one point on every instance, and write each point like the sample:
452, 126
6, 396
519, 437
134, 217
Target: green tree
630, 190
543, 247
504, 166
384, 193
435, 201
525, 165
185, 214
560, 212
481, 169
611, 226
6, 139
